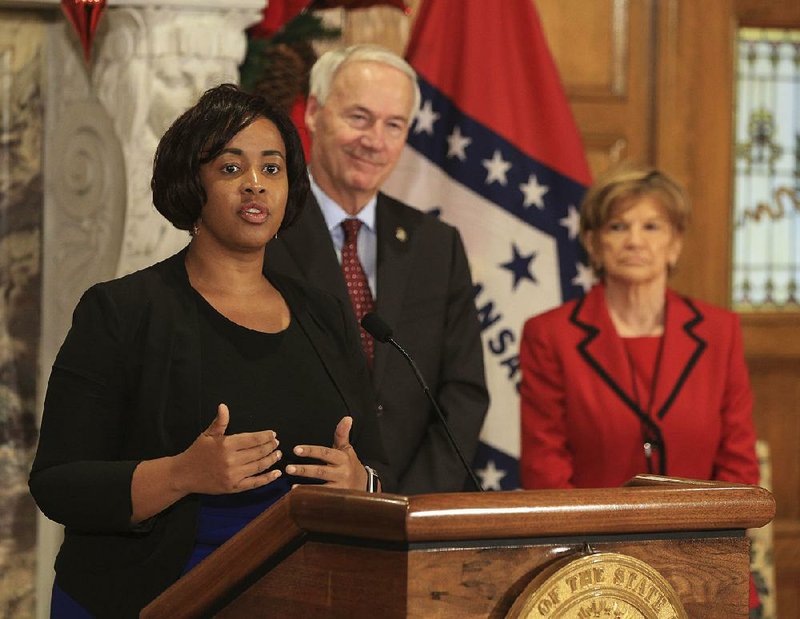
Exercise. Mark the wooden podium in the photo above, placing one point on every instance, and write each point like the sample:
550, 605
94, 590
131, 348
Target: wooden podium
322, 552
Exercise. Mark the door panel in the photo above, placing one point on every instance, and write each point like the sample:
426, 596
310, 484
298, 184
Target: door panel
652, 80
603, 51
669, 100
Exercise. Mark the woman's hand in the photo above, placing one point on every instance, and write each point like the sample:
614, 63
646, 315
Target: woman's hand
220, 464
341, 467
213, 464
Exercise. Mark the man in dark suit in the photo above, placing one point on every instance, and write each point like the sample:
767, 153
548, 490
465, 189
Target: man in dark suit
408, 266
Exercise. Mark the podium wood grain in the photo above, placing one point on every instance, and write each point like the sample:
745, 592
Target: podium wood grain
331, 553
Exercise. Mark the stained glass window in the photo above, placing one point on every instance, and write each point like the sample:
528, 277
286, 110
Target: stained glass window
766, 244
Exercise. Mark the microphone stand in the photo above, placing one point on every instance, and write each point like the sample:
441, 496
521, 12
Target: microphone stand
428, 393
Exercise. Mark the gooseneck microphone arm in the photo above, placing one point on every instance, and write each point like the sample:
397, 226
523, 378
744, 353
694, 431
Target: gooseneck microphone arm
377, 328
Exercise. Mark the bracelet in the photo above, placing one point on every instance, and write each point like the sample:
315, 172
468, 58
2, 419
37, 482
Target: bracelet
373, 480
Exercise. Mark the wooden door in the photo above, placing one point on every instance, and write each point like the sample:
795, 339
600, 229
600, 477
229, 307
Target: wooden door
604, 54
654, 81
772, 346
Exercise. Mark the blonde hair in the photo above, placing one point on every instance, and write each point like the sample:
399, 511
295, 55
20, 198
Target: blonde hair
625, 182
630, 180
327, 66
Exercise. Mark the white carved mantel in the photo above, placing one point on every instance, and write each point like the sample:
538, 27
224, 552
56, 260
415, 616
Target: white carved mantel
151, 59
151, 63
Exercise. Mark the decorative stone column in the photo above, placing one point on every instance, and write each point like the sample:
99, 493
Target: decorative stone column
151, 59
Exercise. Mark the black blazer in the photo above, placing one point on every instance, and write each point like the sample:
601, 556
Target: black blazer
125, 388
424, 292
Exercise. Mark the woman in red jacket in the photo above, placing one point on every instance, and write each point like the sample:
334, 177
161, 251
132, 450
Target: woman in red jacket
634, 378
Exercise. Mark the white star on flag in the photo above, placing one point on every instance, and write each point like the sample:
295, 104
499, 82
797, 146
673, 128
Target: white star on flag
584, 278
491, 476
457, 144
425, 118
572, 222
534, 192
497, 168
475, 171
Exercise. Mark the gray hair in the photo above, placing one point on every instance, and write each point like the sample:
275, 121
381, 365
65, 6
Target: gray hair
326, 67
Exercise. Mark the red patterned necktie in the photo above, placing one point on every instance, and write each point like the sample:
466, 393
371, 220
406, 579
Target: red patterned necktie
357, 284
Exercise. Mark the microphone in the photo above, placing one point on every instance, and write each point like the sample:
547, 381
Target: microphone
377, 328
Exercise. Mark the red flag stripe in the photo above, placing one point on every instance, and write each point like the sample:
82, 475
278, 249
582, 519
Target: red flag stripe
513, 86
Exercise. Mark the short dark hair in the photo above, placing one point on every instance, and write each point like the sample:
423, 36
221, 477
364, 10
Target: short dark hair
199, 135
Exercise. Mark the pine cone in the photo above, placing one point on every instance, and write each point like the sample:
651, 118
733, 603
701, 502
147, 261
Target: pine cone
286, 73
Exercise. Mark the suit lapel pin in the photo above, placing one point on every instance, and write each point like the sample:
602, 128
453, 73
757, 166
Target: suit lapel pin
400, 234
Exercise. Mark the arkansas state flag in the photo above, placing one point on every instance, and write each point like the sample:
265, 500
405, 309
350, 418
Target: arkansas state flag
495, 151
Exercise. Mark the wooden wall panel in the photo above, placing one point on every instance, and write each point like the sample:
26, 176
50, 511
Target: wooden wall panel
590, 44
772, 346
679, 95
603, 51
693, 135
383, 25
652, 80
777, 392
768, 13
787, 567
774, 383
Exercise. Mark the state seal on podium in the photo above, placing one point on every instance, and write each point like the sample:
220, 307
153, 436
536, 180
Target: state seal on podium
601, 585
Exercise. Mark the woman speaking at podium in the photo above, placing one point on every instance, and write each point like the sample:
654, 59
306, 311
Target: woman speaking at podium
634, 378
191, 395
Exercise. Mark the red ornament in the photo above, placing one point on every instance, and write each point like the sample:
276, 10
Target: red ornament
276, 15
298, 116
84, 16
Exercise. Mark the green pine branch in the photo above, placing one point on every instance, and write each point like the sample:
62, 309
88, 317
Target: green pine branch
304, 27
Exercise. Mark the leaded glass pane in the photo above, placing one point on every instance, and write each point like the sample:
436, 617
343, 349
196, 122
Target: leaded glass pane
766, 268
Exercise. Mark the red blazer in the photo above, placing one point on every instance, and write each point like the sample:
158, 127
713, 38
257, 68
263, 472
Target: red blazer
581, 423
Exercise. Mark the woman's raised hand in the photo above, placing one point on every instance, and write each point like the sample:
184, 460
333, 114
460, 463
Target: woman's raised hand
339, 467
217, 463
